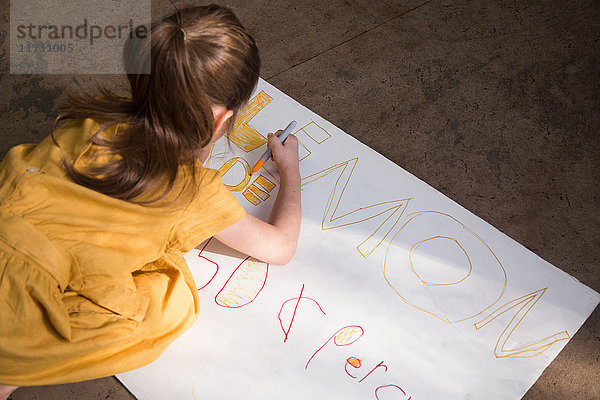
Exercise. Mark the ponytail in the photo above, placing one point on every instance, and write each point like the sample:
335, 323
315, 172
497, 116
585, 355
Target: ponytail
201, 58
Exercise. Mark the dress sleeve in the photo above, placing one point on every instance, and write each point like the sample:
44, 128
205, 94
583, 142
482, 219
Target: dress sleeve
212, 209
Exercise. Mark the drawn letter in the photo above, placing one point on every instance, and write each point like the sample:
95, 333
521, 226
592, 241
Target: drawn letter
243, 134
343, 337
353, 362
259, 190
522, 305
209, 265
315, 132
439, 266
390, 386
296, 302
244, 285
240, 174
380, 365
388, 212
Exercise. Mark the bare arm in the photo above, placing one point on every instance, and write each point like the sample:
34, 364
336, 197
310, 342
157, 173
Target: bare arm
273, 241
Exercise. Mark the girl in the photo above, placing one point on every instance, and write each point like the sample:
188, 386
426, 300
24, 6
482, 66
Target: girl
94, 221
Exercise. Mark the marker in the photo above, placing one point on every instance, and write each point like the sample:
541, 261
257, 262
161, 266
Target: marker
282, 136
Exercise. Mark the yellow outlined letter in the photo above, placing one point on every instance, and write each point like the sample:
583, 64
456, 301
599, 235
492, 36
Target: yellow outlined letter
390, 211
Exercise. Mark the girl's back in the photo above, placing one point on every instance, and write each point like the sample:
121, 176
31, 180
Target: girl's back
96, 218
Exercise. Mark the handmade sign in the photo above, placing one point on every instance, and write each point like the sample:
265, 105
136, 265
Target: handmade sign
396, 291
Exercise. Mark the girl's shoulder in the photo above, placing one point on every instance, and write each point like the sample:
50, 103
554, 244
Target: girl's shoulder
76, 136
67, 142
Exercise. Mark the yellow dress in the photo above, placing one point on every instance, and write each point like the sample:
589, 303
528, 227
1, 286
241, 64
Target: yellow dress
91, 286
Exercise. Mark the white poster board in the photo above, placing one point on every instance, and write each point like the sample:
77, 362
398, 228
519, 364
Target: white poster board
396, 291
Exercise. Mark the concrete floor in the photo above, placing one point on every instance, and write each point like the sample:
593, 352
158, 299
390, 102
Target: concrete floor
494, 103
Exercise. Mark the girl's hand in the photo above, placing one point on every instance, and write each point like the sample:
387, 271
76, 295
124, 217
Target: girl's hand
285, 154
274, 241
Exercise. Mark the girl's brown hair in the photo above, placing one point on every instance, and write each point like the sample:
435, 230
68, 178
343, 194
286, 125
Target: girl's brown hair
199, 57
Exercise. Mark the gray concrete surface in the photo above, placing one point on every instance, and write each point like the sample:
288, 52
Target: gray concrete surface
494, 103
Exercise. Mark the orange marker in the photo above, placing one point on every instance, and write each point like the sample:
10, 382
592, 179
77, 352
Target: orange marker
286, 132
